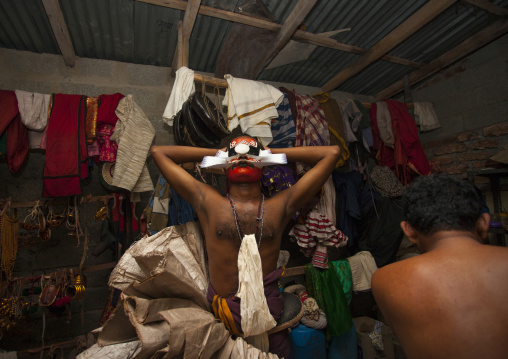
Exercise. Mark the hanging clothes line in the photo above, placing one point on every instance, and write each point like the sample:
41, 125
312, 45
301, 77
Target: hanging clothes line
223, 83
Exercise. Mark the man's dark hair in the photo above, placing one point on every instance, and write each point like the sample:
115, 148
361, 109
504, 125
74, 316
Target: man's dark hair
441, 202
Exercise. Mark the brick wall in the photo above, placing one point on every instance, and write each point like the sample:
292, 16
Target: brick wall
468, 151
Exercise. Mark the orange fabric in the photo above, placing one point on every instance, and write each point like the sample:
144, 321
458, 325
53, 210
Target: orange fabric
223, 313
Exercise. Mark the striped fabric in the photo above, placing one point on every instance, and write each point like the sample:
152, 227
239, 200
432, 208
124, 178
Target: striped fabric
314, 235
311, 127
283, 127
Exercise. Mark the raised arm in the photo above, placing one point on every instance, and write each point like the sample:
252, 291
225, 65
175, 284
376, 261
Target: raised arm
323, 159
168, 158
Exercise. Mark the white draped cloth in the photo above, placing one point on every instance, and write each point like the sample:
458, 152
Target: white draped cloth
183, 88
133, 134
252, 105
33, 109
362, 266
425, 116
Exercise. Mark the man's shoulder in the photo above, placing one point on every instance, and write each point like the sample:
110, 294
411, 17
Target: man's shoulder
399, 276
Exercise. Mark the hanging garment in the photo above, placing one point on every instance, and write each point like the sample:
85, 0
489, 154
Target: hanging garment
92, 108
183, 88
384, 124
332, 290
425, 116
107, 148
383, 234
385, 182
315, 234
283, 128
157, 210
363, 267
311, 127
106, 107
14, 133
252, 105
180, 211
333, 117
355, 120
408, 150
133, 134
66, 153
33, 108
348, 188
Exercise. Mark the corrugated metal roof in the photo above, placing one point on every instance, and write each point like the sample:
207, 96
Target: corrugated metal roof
142, 33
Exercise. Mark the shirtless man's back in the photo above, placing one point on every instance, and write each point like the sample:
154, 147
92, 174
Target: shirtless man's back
450, 302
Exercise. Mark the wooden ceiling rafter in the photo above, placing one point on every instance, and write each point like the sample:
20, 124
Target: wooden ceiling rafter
412, 24
293, 21
489, 7
468, 46
299, 35
59, 27
181, 56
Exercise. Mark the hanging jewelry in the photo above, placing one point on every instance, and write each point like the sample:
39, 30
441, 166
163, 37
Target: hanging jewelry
259, 218
9, 228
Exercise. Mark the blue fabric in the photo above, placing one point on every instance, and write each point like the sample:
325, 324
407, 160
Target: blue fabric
180, 211
348, 190
283, 128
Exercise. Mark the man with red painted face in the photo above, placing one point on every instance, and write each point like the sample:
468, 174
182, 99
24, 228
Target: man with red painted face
244, 226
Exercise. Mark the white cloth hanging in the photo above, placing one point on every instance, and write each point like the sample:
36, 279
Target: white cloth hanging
183, 88
252, 105
425, 116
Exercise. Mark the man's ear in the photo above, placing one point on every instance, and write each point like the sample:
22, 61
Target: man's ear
409, 231
482, 227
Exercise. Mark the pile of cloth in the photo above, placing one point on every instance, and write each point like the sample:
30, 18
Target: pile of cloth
163, 311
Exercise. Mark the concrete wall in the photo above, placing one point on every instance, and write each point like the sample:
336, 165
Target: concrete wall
470, 94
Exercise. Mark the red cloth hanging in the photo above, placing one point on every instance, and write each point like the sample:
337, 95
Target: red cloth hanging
66, 153
16, 131
107, 106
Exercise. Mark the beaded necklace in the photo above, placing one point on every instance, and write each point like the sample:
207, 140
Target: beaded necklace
259, 218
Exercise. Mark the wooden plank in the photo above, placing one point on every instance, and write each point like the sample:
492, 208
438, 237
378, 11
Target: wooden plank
295, 19
299, 35
289, 272
490, 7
426, 13
60, 30
466, 47
210, 80
189, 18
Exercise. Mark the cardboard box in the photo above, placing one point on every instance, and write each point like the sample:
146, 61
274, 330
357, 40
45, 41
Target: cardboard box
364, 326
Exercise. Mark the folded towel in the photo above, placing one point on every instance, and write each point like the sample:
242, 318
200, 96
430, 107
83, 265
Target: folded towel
252, 105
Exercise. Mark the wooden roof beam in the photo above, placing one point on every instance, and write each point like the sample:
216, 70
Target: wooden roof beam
181, 55
489, 7
299, 35
466, 47
295, 19
416, 21
60, 30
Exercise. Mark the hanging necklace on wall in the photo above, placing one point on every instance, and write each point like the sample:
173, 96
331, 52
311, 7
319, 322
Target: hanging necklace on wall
259, 218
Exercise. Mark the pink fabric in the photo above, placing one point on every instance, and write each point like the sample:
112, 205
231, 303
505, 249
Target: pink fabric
108, 148
66, 154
